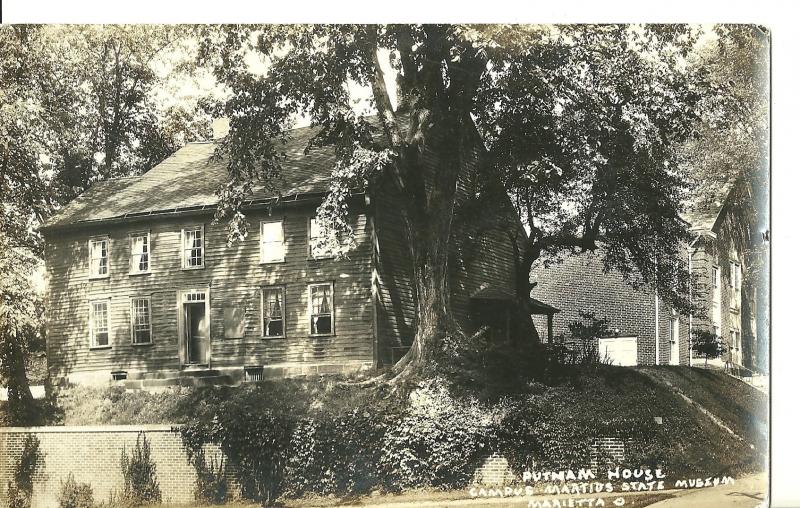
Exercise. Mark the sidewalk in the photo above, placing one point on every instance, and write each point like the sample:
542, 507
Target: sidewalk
747, 492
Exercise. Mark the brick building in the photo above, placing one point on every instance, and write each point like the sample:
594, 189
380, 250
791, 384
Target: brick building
720, 264
644, 329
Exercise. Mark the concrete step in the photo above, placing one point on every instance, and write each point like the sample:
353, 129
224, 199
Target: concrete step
206, 380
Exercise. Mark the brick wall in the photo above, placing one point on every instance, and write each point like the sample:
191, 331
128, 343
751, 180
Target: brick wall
579, 283
92, 455
496, 471
608, 451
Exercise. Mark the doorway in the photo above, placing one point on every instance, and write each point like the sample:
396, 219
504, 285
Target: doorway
195, 333
194, 330
675, 341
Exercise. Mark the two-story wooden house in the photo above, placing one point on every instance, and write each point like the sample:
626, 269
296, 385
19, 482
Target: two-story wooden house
143, 286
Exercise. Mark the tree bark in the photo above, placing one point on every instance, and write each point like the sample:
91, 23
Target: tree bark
432, 195
20, 399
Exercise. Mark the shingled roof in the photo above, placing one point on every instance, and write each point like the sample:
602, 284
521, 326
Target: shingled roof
189, 179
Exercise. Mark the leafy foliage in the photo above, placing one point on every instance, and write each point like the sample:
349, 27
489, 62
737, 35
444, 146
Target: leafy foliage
586, 333
439, 440
211, 485
328, 452
580, 124
21, 325
75, 495
139, 474
78, 104
708, 344
20, 487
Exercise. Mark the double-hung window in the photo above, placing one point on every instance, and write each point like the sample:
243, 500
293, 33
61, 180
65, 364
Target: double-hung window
736, 275
98, 257
140, 252
273, 248
141, 323
317, 249
734, 340
715, 276
193, 247
320, 307
273, 312
98, 324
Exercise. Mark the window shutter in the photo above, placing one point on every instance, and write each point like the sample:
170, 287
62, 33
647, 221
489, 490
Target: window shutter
233, 319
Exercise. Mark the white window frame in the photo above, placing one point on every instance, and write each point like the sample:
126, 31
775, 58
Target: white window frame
738, 276
149, 320
134, 270
311, 314
715, 278
97, 239
674, 328
282, 290
311, 255
735, 275
262, 242
92, 343
184, 249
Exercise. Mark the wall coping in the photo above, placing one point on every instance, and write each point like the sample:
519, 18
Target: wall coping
81, 429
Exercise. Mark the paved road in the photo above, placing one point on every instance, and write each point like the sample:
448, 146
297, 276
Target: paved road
747, 492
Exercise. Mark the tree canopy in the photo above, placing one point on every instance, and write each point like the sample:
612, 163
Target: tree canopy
583, 130
581, 124
78, 104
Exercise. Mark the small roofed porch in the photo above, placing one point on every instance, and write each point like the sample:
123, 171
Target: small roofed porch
539, 308
494, 308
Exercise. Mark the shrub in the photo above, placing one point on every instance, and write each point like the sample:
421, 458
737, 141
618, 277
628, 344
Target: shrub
439, 440
708, 344
532, 431
75, 495
336, 453
585, 333
211, 485
139, 474
20, 488
254, 440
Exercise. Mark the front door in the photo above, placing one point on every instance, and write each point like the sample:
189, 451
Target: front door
196, 333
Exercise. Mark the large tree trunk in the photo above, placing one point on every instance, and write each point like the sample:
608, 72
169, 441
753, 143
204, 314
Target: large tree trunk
428, 228
20, 399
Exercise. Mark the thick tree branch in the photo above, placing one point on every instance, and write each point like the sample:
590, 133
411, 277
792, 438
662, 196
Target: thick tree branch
379, 91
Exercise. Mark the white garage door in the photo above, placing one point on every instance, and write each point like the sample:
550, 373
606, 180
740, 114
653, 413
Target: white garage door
618, 350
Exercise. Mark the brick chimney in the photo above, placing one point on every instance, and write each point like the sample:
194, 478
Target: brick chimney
220, 127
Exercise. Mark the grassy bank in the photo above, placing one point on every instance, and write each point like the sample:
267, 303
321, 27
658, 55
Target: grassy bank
337, 438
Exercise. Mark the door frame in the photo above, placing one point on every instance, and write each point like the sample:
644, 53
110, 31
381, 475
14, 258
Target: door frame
675, 343
182, 298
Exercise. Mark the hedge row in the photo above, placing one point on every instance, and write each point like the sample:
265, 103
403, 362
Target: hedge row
432, 439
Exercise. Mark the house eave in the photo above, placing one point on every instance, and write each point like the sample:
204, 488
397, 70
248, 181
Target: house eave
192, 211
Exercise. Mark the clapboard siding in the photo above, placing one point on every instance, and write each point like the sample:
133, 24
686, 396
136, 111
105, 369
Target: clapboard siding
396, 305
234, 276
